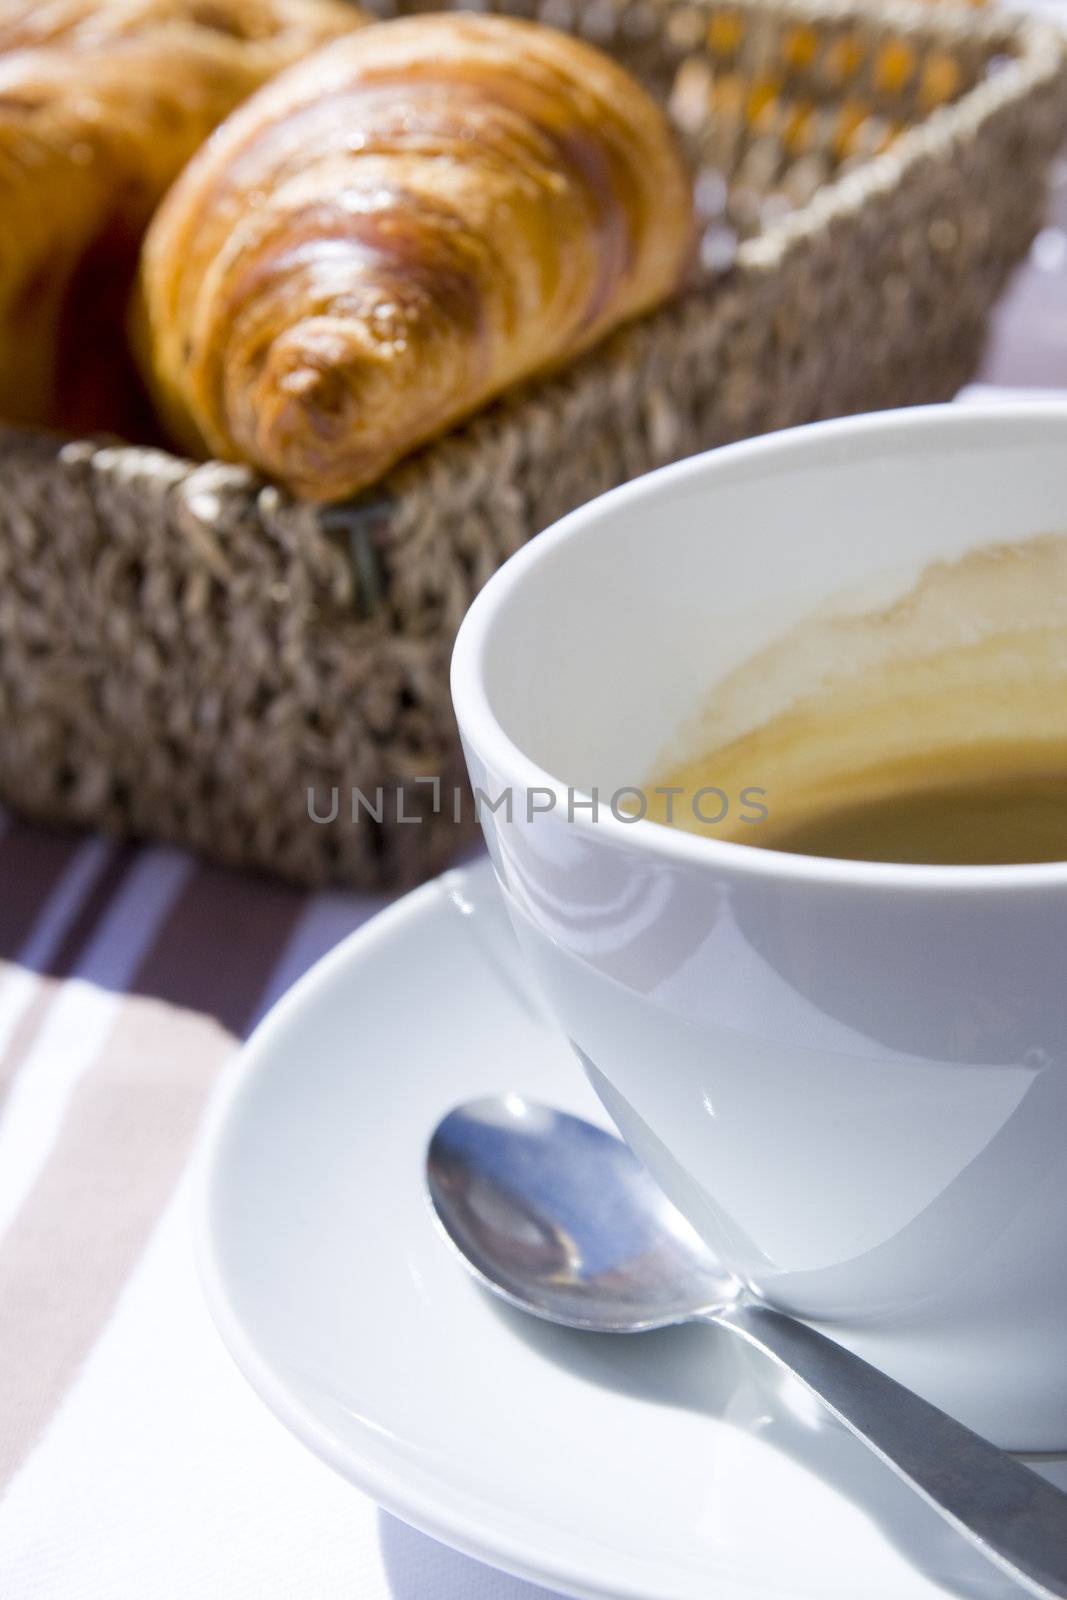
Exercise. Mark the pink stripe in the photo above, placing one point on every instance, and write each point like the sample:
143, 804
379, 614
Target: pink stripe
125, 1137
67, 1254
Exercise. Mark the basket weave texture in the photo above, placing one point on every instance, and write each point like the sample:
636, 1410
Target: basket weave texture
187, 655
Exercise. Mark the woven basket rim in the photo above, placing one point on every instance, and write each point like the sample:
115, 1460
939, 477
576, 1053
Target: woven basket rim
1041, 55
1037, 52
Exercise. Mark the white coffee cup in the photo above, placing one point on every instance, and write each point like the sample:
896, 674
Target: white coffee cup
851, 1077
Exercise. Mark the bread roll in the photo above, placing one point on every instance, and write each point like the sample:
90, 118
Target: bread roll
101, 104
393, 232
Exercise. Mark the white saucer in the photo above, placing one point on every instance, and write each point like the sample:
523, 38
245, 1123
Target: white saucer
662, 1467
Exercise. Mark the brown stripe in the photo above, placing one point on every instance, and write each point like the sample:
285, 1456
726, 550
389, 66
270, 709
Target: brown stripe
32, 861
68, 1252
219, 945
71, 947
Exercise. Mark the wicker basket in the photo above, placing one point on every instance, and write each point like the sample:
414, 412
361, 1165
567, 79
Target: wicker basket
187, 655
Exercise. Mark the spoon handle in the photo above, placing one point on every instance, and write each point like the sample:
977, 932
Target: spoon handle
1011, 1514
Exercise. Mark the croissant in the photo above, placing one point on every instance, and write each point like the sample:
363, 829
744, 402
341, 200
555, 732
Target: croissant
394, 231
101, 104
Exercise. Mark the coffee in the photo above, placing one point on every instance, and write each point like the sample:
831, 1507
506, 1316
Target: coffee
931, 729
968, 807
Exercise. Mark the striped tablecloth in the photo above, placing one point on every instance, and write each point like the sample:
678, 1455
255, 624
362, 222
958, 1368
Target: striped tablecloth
134, 1462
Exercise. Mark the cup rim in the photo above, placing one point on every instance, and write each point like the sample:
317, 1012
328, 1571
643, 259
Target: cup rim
810, 441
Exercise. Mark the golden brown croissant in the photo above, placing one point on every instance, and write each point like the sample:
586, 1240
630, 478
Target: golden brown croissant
397, 229
101, 104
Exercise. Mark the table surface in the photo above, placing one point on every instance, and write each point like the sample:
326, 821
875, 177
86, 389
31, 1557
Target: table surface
135, 1464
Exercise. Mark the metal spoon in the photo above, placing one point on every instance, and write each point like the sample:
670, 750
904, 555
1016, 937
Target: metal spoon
560, 1219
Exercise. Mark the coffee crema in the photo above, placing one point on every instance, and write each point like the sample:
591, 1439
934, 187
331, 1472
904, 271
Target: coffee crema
932, 730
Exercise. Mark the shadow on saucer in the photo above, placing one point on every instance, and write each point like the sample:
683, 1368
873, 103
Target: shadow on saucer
416, 1567
705, 1370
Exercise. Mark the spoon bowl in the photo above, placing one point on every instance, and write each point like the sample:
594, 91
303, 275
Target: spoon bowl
560, 1219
